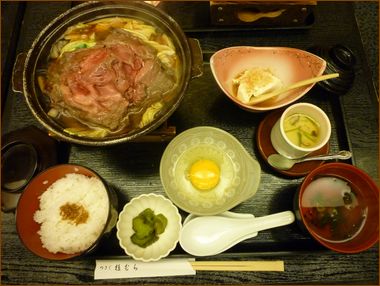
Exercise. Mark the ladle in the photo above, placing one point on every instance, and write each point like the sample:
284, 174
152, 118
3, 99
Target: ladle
282, 163
210, 235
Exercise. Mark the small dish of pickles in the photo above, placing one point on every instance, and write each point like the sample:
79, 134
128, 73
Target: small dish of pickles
148, 227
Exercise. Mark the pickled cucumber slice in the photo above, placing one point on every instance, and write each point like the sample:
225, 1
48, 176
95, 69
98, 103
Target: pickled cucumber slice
160, 223
148, 227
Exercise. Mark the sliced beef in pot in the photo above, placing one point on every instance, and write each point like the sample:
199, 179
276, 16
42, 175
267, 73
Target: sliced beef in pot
99, 85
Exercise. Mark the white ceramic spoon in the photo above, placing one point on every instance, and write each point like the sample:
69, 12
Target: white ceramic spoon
210, 235
224, 214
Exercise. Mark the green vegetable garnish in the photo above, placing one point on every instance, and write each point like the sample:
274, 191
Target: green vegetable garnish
75, 45
160, 223
148, 227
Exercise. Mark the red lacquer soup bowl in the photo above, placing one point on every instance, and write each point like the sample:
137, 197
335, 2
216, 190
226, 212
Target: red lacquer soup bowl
338, 204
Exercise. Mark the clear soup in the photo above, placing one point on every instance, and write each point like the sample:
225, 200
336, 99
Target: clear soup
333, 209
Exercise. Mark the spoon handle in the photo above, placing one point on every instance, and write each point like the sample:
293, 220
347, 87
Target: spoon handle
273, 220
342, 155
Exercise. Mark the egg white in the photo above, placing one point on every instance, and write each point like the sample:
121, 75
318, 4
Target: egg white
226, 187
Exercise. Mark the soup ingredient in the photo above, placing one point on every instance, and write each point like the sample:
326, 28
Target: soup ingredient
104, 75
204, 174
333, 210
150, 113
72, 213
254, 82
148, 227
302, 130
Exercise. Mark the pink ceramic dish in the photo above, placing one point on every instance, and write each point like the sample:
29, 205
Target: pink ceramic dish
290, 65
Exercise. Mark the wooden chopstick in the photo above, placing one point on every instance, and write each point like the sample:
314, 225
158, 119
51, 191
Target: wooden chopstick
269, 95
238, 265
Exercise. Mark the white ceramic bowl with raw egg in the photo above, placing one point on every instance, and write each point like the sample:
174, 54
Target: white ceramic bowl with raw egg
205, 171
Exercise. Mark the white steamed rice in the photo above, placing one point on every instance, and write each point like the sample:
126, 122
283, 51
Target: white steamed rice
59, 235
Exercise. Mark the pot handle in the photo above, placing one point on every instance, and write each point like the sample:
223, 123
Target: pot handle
18, 69
196, 58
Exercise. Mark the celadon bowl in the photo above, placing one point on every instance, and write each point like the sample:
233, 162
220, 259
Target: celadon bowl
239, 171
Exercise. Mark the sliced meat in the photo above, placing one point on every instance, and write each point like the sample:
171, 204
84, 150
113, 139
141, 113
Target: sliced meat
98, 85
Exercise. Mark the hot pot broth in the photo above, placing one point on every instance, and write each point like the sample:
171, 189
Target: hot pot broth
110, 76
334, 209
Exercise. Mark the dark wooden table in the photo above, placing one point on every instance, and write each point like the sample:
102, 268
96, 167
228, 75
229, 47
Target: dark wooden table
133, 168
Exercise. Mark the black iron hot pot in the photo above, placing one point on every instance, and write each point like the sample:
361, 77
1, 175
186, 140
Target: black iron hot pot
188, 51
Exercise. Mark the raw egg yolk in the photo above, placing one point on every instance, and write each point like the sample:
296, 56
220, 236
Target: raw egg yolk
204, 174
